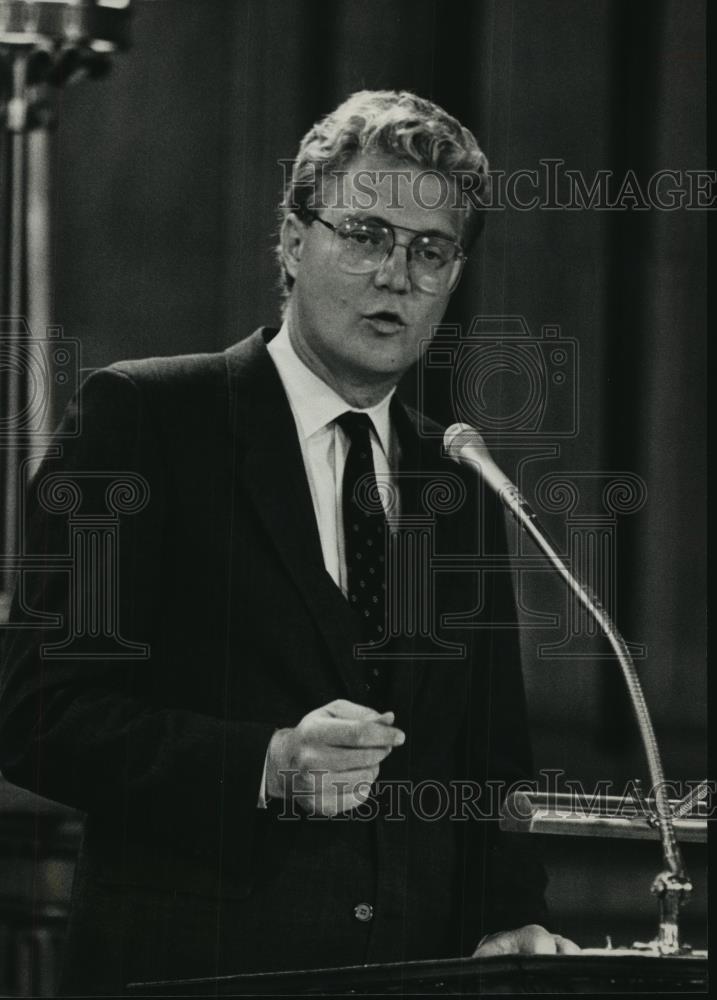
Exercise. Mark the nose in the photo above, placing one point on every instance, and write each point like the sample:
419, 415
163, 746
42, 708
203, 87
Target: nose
393, 270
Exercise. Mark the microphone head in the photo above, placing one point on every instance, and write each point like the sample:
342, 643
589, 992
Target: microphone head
457, 436
465, 445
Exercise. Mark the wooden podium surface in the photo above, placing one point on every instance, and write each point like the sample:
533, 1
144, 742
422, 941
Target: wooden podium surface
591, 973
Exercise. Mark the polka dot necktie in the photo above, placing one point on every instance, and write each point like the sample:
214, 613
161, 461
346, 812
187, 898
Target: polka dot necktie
365, 529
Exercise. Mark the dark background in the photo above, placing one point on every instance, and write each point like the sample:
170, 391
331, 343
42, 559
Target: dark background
166, 182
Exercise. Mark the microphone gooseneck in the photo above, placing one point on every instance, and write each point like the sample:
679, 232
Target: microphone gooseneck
466, 446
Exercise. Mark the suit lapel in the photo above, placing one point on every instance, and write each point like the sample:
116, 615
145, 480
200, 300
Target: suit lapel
272, 471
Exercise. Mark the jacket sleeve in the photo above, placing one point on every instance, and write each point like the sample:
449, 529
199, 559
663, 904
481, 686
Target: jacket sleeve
84, 723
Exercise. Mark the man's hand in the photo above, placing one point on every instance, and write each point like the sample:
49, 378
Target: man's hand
328, 762
530, 940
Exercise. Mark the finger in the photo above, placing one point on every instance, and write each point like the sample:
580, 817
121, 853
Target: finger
535, 940
351, 803
328, 792
357, 797
355, 782
565, 946
346, 759
340, 708
387, 719
344, 733
341, 793
497, 944
530, 940
331, 806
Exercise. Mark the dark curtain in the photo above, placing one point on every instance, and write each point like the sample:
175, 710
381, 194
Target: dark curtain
167, 180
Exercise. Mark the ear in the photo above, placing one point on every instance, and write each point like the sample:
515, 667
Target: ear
293, 234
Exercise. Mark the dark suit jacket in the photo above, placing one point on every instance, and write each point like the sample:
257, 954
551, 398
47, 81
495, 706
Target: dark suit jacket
220, 575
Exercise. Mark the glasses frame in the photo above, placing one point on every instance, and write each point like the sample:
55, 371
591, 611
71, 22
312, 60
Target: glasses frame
309, 215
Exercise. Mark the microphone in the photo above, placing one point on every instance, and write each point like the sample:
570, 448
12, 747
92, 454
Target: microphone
466, 446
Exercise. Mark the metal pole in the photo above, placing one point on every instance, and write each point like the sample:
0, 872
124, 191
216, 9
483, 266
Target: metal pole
17, 113
43, 45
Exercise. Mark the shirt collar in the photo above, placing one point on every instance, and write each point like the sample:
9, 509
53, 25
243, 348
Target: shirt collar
314, 403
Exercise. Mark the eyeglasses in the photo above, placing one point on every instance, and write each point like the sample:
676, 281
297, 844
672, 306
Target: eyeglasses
434, 262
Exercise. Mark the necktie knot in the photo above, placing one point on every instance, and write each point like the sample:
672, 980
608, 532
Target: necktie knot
357, 426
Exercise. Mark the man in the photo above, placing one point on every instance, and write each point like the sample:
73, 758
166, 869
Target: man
249, 750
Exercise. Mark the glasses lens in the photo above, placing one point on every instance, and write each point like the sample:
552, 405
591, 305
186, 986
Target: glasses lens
431, 253
362, 245
434, 263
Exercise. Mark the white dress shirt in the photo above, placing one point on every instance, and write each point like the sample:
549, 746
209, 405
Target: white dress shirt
324, 447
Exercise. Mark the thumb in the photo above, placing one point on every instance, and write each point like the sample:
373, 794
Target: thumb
343, 709
535, 940
530, 940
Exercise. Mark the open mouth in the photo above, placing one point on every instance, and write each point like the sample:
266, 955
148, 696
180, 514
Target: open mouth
386, 320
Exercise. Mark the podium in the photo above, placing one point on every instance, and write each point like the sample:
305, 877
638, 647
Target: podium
591, 972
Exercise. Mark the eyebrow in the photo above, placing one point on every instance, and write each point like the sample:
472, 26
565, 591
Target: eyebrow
418, 232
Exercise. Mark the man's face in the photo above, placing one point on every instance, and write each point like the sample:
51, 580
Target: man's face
366, 330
